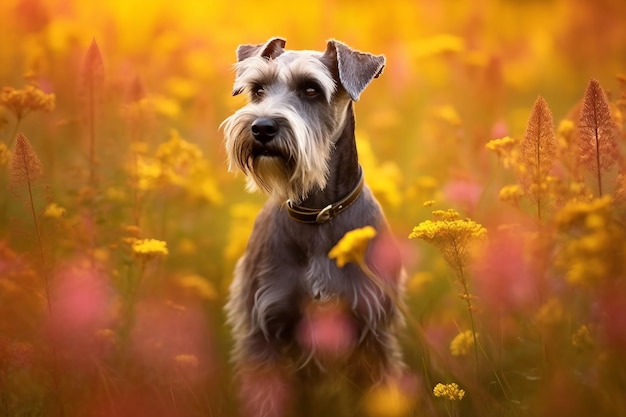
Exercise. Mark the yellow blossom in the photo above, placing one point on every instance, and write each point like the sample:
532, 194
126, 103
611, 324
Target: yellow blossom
54, 211
147, 249
448, 391
22, 102
463, 343
387, 401
352, 246
505, 148
511, 193
452, 235
198, 285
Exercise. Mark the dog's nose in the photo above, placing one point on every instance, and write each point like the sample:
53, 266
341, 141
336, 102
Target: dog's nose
264, 129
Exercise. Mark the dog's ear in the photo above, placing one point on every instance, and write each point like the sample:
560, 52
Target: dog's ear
270, 49
356, 69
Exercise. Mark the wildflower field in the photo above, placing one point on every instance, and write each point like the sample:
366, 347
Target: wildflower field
495, 140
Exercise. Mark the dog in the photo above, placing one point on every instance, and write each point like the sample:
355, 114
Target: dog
300, 323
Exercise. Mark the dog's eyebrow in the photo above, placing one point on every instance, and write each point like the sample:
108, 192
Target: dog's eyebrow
253, 72
324, 81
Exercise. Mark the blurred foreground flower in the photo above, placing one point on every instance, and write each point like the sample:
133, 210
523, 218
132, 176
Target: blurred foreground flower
448, 391
387, 400
327, 330
463, 343
147, 249
352, 246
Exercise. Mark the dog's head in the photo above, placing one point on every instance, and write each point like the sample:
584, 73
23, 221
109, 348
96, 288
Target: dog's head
282, 140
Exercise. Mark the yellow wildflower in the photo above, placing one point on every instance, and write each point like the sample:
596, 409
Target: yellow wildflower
148, 173
186, 361
565, 133
505, 148
448, 391
428, 203
463, 343
352, 246
199, 285
589, 238
147, 249
575, 213
22, 102
177, 157
452, 235
54, 211
511, 194
387, 401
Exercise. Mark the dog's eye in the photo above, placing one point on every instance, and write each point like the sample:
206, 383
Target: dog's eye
258, 91
311, 91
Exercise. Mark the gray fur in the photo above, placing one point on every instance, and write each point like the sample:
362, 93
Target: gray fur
286, 265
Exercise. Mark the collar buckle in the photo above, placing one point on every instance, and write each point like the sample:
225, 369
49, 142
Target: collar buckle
324, 215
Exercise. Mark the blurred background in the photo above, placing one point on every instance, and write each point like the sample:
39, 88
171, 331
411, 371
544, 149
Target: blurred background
130, 150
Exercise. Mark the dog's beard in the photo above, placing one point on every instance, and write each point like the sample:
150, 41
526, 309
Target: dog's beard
288, 167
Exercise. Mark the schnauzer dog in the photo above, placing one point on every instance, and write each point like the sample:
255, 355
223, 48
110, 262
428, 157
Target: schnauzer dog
299, 321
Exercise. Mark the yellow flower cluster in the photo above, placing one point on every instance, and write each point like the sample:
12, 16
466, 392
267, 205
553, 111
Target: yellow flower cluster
511, 194
452, 235
179, 163
147, 249
592, 246
505, 148
352, 246
448, 391
54, 211
463, 343
22, 102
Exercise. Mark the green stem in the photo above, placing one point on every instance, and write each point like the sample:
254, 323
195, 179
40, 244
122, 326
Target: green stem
55, 359
468, 300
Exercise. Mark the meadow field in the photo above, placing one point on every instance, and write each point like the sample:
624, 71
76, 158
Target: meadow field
495, 140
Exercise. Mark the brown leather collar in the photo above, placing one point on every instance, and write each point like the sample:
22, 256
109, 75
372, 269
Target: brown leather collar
320, 216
